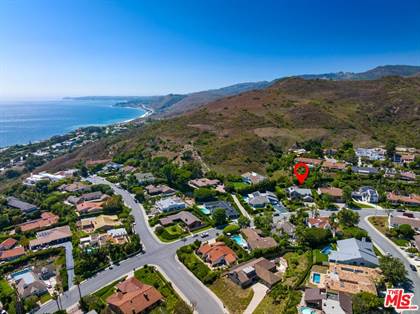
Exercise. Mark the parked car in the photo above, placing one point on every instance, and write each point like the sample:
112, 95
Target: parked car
204, 234
413, 268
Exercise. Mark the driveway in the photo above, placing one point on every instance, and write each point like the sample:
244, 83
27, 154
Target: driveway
69, 261
156, 253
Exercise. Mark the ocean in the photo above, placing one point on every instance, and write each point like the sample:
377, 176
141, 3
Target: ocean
22, 122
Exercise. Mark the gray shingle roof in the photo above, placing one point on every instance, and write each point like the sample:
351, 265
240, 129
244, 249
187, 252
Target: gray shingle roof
350, 249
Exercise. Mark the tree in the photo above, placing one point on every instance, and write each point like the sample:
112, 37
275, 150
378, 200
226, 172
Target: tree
365, 302
31, 304
264, 222
243, 221
347, 217
405, 231
77, 280
393, 270
219, 217
113, 205
315, 237
55, 297
347, 195
390, 148
204, 194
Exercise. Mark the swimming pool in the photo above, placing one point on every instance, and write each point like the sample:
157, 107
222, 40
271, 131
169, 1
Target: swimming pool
26, 274
307, 310
239, 240
326, 250
204, 210
316, 278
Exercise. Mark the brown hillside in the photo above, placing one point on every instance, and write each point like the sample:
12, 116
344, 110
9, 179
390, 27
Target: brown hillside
241, 132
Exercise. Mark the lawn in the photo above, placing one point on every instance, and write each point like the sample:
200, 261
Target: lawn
239, 185
171, 233
173, 303
7, 297
298, 268
361, 205
45, 297
285, 304
237, 299
319, 257
380, 223
106, 291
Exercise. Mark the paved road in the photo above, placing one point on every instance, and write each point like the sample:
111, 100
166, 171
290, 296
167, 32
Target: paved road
156, 253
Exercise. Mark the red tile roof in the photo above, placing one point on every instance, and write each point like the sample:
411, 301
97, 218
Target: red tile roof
319, 222
310, 161
13, 253
47, 219
133, 296
214, 252
8, 244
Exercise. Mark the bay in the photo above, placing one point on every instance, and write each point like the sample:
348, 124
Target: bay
22, 122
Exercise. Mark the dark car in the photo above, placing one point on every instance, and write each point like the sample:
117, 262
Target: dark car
413, 268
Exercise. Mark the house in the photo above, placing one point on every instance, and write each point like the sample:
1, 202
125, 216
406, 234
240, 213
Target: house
24, 207
286, 227
366, 194
11, 254
407, 176
230, 211
111, 166
33, 179
203, 183
118, 236
371, 153
133, 297
88, 197
89, 207
329, 165
252, 178
170, 204
47, 219
99, 223
364, 170
76, 187
335, 194
396, 221
128, 169
8, 244
188, 219
34, 288
259, 269
261, 200
256, 241
319, 222
160, 189
312, 162
145, 178
411, 200
217, 254
296, 193
45, 272
329, 303
354, 252
50, 237
351, 279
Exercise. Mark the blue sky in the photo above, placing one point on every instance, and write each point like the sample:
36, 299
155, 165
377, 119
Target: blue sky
54, 48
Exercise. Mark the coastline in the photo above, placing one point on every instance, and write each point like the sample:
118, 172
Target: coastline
148, 112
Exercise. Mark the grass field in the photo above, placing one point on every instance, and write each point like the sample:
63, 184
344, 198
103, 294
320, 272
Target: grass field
298, 266
287, 305
380, 223
234, 297
171, 233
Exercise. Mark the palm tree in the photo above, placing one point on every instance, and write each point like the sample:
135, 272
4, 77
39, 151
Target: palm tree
57, 290
77, 280
55, 297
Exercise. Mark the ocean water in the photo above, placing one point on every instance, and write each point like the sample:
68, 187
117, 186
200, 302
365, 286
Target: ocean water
28, 121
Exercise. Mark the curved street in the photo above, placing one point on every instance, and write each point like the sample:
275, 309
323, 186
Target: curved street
156, 253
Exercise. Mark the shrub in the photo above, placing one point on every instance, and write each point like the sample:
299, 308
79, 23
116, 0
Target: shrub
231, 229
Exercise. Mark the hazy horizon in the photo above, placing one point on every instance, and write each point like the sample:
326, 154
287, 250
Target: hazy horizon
56, 49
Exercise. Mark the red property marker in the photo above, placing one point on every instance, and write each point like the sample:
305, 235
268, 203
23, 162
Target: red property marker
301, 177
